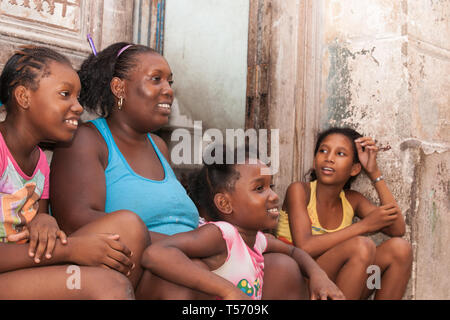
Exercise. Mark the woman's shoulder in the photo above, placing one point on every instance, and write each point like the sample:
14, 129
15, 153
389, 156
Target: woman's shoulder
88, 134
162, 145
87, 140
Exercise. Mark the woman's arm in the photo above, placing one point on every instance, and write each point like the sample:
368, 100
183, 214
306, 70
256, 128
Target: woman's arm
77, 179
296, 202
171, 260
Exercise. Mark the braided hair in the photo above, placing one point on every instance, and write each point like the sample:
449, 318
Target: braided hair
26, 67
97, 71
352, 135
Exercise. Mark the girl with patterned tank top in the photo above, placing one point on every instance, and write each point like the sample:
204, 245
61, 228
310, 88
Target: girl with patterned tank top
40, 89
317, 217
240, 202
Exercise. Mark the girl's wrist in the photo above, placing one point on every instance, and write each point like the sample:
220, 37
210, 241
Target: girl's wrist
374, 175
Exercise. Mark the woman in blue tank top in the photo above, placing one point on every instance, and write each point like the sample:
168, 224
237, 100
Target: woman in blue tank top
115, 163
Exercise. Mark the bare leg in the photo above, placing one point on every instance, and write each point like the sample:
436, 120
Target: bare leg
152, 287
50, 283
283, 279
346, 264
132, 231
394, 257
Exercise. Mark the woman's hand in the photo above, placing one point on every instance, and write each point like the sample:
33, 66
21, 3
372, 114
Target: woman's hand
322, 288
103, 250
368, 156
42, 232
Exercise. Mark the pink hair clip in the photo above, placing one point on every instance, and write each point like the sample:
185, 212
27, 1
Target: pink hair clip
123, 49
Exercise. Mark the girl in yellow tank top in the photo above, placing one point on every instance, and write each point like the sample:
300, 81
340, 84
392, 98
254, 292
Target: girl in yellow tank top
317, 217
347, 217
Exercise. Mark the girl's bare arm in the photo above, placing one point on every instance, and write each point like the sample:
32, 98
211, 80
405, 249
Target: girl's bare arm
300, 225
367, 153
170, 259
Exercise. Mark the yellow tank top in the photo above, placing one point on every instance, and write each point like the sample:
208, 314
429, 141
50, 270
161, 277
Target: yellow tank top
284, 232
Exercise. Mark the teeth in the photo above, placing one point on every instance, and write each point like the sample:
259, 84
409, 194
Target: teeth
72, 122
328, 169
164, 105
274, 210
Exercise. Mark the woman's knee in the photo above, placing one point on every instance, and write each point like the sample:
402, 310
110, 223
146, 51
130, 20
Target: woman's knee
131, 224
110, 285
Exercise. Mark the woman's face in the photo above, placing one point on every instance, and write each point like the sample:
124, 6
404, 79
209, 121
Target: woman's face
148, 95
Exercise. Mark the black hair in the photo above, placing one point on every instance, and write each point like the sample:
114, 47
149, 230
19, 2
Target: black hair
26, 67
214, 178
97, 71
352, 135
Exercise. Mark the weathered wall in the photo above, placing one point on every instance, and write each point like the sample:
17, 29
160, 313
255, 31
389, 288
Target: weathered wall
206, 46
63, 26
386, 72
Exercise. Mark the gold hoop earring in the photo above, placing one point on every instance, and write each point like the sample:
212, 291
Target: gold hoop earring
120, 103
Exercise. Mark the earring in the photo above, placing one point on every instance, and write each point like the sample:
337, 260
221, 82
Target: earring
120, 103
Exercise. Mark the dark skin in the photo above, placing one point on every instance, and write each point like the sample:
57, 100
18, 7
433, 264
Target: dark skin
346, 254
51, 112
145, 92
142, 93
250, 207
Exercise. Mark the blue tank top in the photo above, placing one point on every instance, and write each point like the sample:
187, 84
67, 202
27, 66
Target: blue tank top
164, 205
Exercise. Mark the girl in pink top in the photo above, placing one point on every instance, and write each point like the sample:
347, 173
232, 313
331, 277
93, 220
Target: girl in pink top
39, 90
241, 203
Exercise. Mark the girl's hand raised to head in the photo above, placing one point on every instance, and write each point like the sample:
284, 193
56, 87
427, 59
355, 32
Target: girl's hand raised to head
102, 250
42, 233
368, 156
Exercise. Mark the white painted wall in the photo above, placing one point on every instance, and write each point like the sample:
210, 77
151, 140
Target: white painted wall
205, 43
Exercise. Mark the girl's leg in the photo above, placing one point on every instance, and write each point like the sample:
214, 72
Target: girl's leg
346, 264
152, 287
132, 231
55, 283
394, 258
283, 279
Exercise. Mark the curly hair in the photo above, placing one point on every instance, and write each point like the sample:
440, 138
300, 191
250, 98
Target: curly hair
352, 135
97, 71
26, 67
215, 178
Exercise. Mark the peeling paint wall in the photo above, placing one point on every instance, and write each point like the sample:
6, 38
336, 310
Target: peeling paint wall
386, 73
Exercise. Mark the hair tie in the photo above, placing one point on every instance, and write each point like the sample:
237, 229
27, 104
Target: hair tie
123, 49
